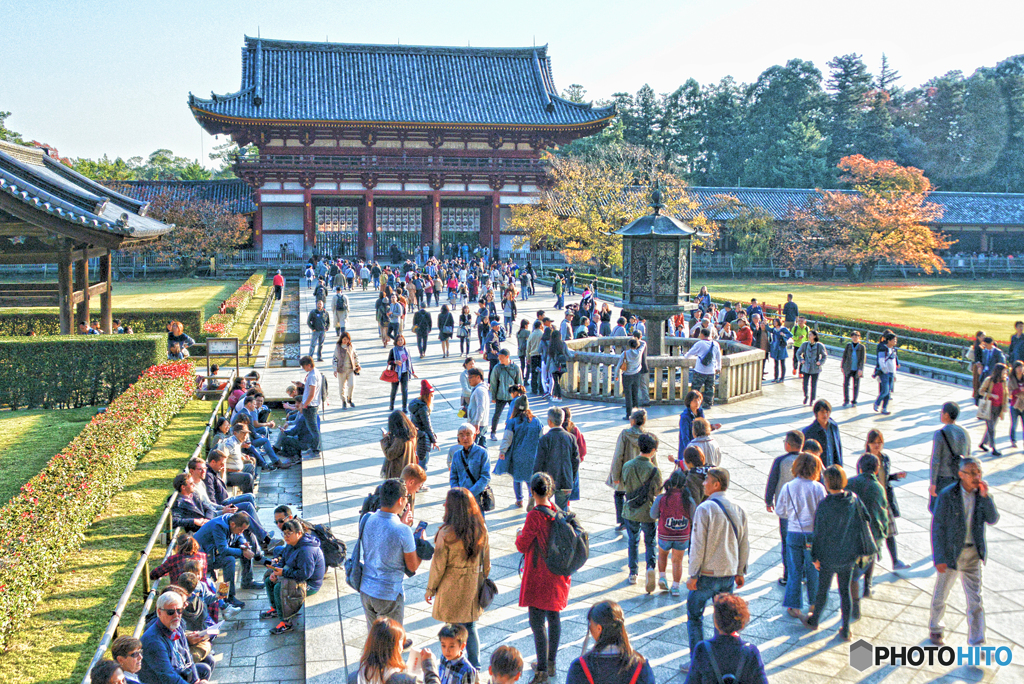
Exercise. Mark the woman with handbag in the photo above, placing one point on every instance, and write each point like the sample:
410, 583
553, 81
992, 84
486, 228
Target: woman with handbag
874, 445
398, 444
1015, 387
518, 449
557, 360
993, 391
446, 328
812, 355
840, 526
797, 504
465, 328
779, 338
542, 592
460, 566
398, 371
346, 368
612, 660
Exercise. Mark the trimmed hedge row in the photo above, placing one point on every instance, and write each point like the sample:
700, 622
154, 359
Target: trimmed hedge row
45, 323
234, 306
73, 371
45, 524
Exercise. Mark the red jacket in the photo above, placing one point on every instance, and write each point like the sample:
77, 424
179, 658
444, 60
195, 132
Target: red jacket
745, 336
539, 587
279, 280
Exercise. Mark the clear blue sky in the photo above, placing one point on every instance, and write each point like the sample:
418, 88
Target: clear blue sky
94, 77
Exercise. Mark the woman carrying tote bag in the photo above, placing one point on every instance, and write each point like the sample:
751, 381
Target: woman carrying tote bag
812, 355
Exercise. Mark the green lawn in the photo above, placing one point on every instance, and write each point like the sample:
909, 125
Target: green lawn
961, 306
29, 439
58, 641
167, 295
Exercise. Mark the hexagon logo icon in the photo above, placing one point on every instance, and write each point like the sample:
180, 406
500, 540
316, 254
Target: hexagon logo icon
861, 655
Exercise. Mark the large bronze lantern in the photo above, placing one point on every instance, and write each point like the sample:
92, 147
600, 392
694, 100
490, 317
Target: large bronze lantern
656, 257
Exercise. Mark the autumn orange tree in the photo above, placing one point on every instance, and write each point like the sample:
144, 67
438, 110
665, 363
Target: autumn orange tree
885, 219
201, 230
592, 196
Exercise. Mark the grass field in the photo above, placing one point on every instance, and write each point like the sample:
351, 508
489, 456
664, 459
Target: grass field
29, 439
57, 642
960, 306
174, 294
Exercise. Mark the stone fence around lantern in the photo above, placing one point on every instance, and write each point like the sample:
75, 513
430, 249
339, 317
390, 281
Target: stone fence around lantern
592, 366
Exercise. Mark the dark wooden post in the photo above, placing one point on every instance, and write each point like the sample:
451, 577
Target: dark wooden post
82, 285
106, 313
65, 289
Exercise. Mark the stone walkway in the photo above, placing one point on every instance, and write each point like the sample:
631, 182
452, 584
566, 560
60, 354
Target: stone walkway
751, 437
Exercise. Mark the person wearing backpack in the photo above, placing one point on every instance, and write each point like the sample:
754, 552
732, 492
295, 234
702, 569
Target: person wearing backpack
725, 658
641, 481
709, 361
340, 311
719, 550
612, 660
542, 592
673, 510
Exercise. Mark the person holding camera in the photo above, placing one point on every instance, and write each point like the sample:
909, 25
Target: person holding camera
295, 573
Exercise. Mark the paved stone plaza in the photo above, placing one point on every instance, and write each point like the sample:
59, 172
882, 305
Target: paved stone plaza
751, 437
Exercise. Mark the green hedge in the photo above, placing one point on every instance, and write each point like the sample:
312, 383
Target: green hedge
44, 525
48, 323
73, 371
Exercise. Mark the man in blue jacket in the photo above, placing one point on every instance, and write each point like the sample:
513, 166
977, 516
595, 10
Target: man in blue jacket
470, 463
825, 431
958, 547
216, 537
166, 659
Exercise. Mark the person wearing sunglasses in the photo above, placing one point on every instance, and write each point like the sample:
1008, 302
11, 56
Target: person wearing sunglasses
165, 647
127, 651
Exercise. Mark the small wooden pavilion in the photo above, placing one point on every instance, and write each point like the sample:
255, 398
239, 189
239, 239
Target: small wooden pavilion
52, 214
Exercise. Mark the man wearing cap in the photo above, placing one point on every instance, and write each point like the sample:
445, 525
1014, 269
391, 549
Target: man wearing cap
504, 376
492, 345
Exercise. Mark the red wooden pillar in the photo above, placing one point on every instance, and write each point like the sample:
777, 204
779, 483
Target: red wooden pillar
257, 227
368, 227
307, 221
435, 223
495, 223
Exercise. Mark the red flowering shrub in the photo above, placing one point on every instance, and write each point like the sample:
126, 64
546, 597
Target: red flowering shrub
44, 525
234, 306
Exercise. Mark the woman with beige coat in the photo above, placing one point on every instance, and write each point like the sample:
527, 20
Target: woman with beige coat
626, 450
461, 563
398, 444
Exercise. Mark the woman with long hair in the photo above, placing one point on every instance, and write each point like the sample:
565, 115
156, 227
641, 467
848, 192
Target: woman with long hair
346, 366
812, 355
874, 445
974, 355
545, 594
446, 328
461, 562
1015, 387
780, 336
581, 445
382, 663
994, 389
557, 360
398, 444
606, 320
420, 409
400, 361
612, 660
797, 504
465, 330
221, 431
518, 449
522, 337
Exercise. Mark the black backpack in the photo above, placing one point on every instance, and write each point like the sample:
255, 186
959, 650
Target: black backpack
334, 549
568, 543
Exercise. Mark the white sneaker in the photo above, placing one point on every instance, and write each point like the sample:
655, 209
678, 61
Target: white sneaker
632, 579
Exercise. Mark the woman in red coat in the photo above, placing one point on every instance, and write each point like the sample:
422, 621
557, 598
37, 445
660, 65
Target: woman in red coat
543, 593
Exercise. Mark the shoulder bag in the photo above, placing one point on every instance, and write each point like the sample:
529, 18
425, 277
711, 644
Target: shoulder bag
354, 564
486, 497
985, 408
488, 589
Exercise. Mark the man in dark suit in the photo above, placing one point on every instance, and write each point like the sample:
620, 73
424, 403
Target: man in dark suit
990, 356
958, 547
825, 431
559, 456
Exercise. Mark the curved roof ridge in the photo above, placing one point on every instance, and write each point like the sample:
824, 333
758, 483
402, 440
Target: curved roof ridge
328, 46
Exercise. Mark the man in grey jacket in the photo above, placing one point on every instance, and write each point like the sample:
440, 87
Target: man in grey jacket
629, 365
718, 552
949, 445
479, 404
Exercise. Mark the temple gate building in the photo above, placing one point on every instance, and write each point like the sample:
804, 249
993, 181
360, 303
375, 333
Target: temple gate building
362, 147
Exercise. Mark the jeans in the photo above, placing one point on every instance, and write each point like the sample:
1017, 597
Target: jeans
705, 384
278, 291
374, 608
633, 530
254, 521
844, 577
525, 367
499, 409
421, 342
990, 430
481, 435
509, 320
274, 596
562, 498
559, 301
403, 380
631, 387
783, 530
812, 380
853, 376
393, 330
556, 385
241, 479
262, 444
517, 487
472, 645
968, 571
799, 567
316, 341
545, 642
696, 600
240, 499
780, 369
536, 386
620, 502
884, 390
1016, 414
309, 415
422, 448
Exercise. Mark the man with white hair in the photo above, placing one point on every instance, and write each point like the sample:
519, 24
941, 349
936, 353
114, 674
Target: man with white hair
469, 463
166, 658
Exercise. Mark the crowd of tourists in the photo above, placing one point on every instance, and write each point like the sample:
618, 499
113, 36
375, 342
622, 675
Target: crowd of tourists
831, 525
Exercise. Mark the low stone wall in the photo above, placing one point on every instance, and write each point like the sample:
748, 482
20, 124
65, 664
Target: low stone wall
592, 366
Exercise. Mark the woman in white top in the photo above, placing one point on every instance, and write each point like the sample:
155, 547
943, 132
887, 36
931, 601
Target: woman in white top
798, 503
